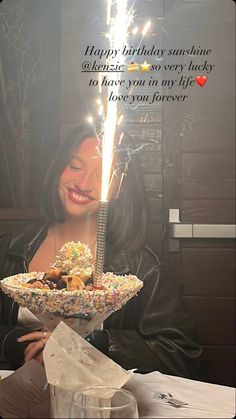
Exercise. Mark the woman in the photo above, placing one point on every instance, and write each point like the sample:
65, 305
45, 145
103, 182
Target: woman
152, 331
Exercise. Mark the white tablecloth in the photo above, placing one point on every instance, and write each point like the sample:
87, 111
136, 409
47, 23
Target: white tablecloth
155, 391
5, 373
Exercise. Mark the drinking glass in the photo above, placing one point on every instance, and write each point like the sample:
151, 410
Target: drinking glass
60, 401
103, 402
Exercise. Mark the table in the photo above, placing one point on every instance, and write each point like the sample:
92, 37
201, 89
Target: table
157, 395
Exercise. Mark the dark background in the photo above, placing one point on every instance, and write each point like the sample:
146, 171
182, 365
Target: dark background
188, 154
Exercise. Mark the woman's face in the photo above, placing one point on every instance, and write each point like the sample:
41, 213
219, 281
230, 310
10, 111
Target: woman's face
80, 183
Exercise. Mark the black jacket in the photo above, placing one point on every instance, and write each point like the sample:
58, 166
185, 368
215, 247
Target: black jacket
153, 331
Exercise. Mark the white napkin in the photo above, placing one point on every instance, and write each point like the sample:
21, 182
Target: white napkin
72, 363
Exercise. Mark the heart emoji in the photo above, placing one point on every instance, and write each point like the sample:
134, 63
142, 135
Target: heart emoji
201, 80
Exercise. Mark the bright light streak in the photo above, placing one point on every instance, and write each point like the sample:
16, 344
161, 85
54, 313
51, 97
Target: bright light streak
90, 119
146, 27
121, 138
146, 118
120, 119
135, 30
99, 101
109, 3
118, 35
100, 82
100, 110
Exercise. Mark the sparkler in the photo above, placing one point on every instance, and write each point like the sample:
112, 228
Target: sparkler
146, 27
90, 119
118, 36
135, 30
144, 31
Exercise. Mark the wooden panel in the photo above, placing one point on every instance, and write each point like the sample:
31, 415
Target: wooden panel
223, 93
147, 135
220, 365
208, 134
217, 211
152, 181
198, 166
13, 225
72, 105
175, 268
19, 214
151, 161
154, 209
207, 243
209, 272
12, 219
215, 319
208, 166
208, 188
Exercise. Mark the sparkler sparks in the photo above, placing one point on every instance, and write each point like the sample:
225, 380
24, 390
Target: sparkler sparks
146, 27
118, 36
109, 3
90, 119
119, 19
100, 82
120, 119
135, 30
100, 110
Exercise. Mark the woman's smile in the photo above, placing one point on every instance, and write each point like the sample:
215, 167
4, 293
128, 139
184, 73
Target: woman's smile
79, 198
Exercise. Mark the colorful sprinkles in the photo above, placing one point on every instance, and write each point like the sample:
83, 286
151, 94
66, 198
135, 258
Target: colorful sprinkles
74, 258
116, 292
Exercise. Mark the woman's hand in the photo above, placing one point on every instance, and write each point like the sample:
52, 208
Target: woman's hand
36, 346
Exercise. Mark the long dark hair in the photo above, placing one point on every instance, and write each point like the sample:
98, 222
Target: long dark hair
127, 219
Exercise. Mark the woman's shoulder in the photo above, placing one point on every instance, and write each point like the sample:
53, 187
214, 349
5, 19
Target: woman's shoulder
124, 261
145, 254
22, 233
149, 253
